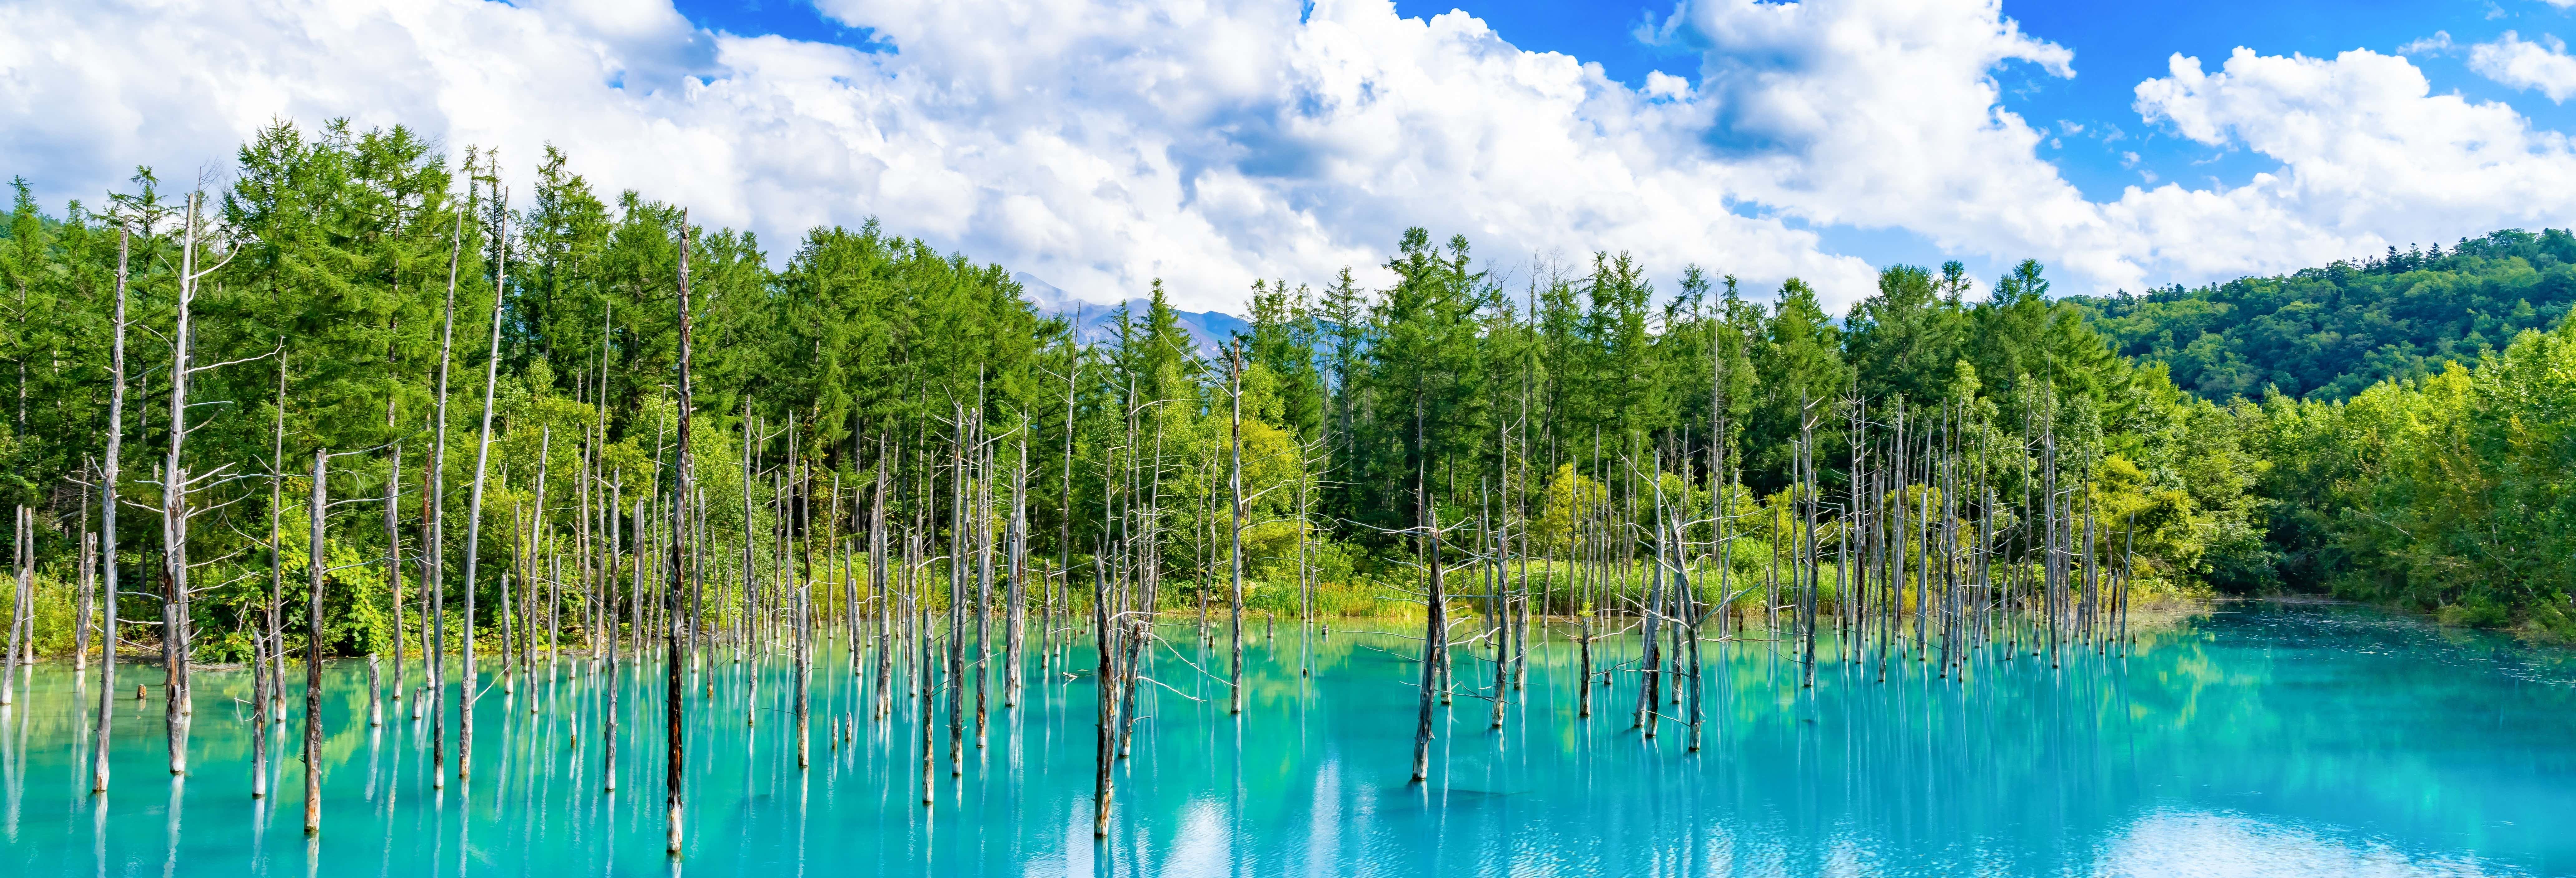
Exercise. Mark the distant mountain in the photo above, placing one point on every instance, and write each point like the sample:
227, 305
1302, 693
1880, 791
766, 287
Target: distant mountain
1209, 329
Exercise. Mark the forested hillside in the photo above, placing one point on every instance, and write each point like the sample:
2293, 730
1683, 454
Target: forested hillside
2410, 413
2326, 333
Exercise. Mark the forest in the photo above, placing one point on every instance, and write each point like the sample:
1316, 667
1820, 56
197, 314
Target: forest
350, 400
2329, 333
2408, 412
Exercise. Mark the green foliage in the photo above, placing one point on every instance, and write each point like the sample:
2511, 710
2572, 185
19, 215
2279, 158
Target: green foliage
1363, 410
2332, 332
2447, 493
2374, 463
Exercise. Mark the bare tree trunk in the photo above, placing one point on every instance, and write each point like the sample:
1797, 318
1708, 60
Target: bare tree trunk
1499, 601
474, 505
957, 549
264, 679
554, 573
1649, 659
88, 595
1234, 554
1435, 634
1064, 524
1814, 558
435, 504
393, 553
111, 467
276, 635
877, 584
316, 553
174, 509
616, 686
1105, 683
2051, 575
1687, 626
925, 684
1015, 545
537, 554
750, 436
804, 607
983, 574
18, 609
682, 489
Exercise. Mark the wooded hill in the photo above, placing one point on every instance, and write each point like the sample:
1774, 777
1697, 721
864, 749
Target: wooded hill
2411, 412
2327, 333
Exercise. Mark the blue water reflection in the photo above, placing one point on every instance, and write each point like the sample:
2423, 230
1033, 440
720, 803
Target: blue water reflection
2259, 739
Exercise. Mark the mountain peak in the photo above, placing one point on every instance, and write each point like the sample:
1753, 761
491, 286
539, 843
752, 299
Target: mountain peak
1209, 330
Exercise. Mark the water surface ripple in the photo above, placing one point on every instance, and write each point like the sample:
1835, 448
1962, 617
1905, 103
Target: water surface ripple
2258, 739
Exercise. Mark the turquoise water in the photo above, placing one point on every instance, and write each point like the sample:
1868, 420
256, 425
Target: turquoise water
2255, 740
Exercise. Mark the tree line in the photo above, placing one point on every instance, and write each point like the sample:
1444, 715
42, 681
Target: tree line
2406, 412
353, 401
2332, 331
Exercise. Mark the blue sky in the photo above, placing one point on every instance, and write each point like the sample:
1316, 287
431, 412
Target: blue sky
1101, 145
2099, 144
2098, 140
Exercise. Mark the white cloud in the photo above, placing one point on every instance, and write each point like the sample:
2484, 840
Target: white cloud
1665, 85
2436, 44
1288, 145
1096, 146
1887, 115
1100, 145
2368, 156
2543, 65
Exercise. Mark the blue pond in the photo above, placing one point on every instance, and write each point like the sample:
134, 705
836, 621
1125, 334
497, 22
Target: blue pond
2253, 739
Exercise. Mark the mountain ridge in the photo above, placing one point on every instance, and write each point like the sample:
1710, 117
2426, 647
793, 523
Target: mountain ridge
1209, 330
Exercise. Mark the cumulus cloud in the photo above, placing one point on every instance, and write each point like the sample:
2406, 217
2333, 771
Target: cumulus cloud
1100, 145
2438, 43
2542, 66
2368, 156
1276, 140
1096, 145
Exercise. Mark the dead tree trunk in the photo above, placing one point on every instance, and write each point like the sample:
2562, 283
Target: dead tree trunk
474, 506
681, 489
110, 470
175, 647
1234, 554
316, 552
19, 615
434, 503
1434, 636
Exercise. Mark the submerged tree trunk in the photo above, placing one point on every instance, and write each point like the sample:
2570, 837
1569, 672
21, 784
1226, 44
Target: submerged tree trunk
1105, 686
474, 508
315, 553
175, 619
803, 629
110, 471
1234, 553
88, 596
20, 614
682, 488
1015, 548
1434, 637
616, 687
434, 504
393, 554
